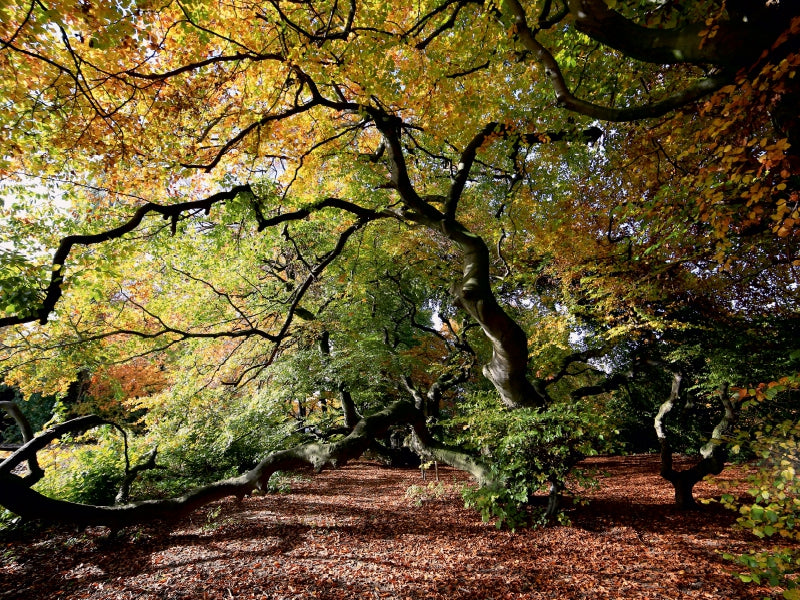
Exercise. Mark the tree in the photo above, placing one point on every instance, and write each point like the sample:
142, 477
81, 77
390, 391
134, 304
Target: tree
217, 187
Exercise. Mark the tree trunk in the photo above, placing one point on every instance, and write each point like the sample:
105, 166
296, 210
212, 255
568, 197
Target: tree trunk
713, 452
553, 501
684, 490
508, 368
349, 412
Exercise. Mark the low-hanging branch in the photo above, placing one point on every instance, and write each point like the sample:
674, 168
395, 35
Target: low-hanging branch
17, 497
54, 289
28, 450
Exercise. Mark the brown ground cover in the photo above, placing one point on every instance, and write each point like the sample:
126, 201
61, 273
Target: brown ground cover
353, 533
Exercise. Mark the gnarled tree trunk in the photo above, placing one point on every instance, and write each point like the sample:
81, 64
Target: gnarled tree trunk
713, 452
508, 367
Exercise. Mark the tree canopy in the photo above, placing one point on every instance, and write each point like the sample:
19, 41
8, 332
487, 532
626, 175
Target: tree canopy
234, 216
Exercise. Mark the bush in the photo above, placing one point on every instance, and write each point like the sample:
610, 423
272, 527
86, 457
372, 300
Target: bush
773, 510
530, 450
421, 494
88, 469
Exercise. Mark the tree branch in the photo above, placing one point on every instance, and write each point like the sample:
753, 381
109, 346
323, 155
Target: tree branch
734, 43
54, 289
567, 99
464, 166
18, 498
325, 33
13, 410
204, 63
35, 444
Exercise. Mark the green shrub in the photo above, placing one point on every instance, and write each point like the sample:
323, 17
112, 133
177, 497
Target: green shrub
529, 449
432, 491
773, 507
499, 502
88, 469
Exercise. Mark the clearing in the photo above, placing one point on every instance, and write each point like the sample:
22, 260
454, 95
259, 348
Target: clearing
354, 533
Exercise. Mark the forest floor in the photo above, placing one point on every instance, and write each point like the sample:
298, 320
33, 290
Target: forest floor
355, 533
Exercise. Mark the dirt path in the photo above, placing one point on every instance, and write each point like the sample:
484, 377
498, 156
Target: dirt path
353, 533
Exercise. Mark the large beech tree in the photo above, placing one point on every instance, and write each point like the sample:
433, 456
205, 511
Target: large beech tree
223, 185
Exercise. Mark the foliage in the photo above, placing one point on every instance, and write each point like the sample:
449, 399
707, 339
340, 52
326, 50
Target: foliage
198, 441
711, 356
88, 469
772, 509
506, 506
110, 388
37, 408
281, 482
530, 450
191, 450
430, 492
195, 196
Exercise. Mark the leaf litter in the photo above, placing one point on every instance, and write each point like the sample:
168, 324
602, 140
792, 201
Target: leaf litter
354, 533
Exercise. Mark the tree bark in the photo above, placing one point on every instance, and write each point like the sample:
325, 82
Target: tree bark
13, 410
736, 42
17, 497
349, 411
31, 447
508, 367
553, 501
148, 464
713, 452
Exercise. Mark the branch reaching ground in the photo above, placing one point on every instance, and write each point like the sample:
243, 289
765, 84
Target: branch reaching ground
17, 497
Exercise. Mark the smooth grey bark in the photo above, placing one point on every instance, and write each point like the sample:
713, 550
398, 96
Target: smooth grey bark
553, 501
429, 403
17, 497
349, 411
508, 367
14, 411
713, 453
426, 446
